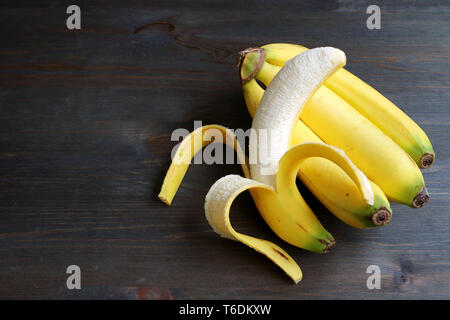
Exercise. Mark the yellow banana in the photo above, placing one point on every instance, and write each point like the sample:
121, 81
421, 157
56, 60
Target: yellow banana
271, 177
327, 181
370, 103
340, 125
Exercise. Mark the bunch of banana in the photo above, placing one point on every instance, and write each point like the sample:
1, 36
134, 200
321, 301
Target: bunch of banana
370, 103
308, 115
271, 169
347, 113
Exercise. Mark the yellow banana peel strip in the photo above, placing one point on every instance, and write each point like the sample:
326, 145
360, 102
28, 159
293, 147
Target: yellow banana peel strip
222, 194
290, 165
217, 208
190, 145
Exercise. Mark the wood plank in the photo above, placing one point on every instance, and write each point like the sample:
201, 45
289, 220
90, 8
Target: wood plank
85, 141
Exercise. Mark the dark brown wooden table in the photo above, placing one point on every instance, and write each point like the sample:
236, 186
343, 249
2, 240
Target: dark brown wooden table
86, 118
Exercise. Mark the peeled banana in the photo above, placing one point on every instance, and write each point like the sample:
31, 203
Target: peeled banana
273, 166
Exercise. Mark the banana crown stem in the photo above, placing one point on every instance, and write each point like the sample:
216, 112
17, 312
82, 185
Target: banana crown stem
248, 71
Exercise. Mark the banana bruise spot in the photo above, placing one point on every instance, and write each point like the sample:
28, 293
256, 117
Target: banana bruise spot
420, 199
381, 216
426, 160
281, 254
301, 227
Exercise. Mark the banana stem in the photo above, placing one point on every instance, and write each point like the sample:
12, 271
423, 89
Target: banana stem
248, 70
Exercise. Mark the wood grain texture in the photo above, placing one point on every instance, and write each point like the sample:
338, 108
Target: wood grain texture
85, 123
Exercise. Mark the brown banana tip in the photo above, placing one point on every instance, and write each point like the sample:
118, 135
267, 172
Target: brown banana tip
328, 245
420, 199
381, 217
241, 57
426, 160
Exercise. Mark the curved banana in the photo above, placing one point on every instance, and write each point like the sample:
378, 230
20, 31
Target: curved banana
327, 181
279, 200
338, 124
369, 102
